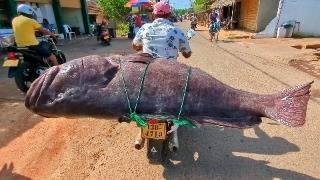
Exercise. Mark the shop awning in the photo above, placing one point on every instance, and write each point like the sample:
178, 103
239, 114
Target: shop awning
93, 8
139, 3
221, 3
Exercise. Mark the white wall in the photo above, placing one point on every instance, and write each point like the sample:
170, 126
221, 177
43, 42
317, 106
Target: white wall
73, 18
267, 11
307, 12
47, 12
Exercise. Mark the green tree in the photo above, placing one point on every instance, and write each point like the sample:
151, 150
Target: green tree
199, 5
114, 9
180, 12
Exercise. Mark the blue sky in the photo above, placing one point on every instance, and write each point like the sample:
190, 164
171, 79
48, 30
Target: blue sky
180, 4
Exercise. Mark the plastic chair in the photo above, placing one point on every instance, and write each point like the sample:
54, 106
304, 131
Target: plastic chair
68, 31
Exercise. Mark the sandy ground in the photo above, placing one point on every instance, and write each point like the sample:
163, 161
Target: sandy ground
33, 147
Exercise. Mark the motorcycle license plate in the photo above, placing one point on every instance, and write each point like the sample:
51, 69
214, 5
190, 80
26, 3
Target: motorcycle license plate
155, 131
10, 63
106, 37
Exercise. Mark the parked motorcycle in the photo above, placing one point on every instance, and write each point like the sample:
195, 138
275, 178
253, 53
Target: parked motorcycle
26, 65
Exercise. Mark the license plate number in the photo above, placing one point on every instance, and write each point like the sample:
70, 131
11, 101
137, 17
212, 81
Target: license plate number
155, 131
106, 37
10, 63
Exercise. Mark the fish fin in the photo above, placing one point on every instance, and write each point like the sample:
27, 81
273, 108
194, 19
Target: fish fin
290, 106
234, 122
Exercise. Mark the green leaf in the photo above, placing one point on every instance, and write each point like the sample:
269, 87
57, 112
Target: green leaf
114, 9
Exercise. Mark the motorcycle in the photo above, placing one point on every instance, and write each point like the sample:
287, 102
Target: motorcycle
105, 38
103, 34
26, 65
193, 26
160, 143
160, 134
214, 29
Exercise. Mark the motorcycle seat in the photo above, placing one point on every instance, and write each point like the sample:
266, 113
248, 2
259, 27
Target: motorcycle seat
26, 50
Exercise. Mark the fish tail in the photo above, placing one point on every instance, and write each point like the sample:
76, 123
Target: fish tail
289, 106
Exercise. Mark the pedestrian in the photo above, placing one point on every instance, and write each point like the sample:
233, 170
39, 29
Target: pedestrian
46, 24
130, 20
112, 27
161, 39
137, 23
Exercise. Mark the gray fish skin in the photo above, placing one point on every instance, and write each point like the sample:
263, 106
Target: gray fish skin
92, 86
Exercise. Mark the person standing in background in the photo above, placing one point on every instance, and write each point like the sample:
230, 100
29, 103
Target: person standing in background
112, 26
137, 23
129, 19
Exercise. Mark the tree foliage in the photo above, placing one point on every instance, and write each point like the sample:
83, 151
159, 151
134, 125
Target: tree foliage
180, 12
199, 5
114, 8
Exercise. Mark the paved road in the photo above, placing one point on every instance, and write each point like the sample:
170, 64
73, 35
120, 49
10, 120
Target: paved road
98, 149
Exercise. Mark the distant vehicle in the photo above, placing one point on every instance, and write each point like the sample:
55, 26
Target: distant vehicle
173, 19
214, 30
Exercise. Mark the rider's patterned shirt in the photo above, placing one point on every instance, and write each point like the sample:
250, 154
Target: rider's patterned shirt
162, 39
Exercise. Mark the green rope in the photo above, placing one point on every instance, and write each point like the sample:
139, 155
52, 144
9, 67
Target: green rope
125, 88
138, 119
141, 122
133, 115
141, 87
183, 121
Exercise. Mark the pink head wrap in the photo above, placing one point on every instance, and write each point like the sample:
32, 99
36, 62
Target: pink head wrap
161, 8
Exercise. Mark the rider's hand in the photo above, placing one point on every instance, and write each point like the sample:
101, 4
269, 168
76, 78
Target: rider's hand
137, 47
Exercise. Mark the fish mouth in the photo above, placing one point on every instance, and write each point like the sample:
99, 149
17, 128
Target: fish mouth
35, 97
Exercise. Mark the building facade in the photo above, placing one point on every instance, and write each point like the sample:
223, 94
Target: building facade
302, 15
252, 15
57, 12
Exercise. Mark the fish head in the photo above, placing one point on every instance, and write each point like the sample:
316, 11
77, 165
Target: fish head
70, 85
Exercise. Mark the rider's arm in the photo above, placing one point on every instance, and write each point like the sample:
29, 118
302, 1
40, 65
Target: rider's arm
38, 27
184, 46
45, 31
186, 54
137, 43
137, 47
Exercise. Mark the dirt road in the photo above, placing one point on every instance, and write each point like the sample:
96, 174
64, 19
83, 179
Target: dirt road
32, 147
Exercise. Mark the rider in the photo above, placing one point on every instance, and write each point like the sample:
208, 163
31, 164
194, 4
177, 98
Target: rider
194, 20
161, 38
213, 16
24, 28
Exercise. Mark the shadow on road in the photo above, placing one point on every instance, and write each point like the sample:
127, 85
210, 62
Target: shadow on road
15, 120
7, 173
209, 154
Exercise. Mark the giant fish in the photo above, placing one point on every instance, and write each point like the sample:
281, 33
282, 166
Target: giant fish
96, 86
